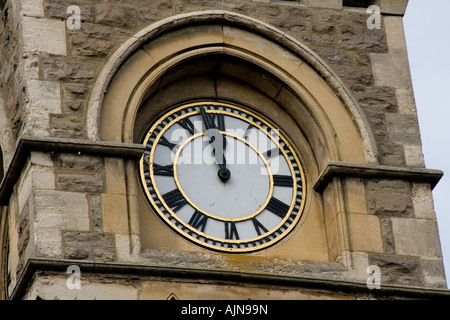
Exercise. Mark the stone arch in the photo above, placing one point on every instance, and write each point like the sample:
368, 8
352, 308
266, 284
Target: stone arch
302, 66
230, 57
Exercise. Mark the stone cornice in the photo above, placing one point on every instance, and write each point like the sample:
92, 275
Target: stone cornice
230, 277
387, 7
333, 169
392, 7
345, 169
27, 145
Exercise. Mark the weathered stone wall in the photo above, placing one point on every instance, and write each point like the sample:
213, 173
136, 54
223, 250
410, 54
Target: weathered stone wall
63, 205
66, 63
11, 94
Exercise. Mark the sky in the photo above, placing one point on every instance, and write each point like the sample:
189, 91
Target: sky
427, 30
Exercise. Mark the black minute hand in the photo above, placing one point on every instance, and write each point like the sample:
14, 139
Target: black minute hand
218, 142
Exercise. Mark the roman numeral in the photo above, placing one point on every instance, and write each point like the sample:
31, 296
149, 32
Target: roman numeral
163, 170
260, 229
163, 141
247, 131
208, 119
283, 181
214, 120
198, 221
231, 231
175, 200
220, 121
278, 207
187, 125
271, 153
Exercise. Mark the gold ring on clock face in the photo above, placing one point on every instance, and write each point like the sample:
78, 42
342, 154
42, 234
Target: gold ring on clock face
222, 177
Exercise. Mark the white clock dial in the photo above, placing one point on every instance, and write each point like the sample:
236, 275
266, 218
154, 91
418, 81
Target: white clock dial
222, 177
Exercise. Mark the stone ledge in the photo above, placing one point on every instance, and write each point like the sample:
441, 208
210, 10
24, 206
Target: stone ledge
356, 289
392, 7
388, 7
345, 169
27, 145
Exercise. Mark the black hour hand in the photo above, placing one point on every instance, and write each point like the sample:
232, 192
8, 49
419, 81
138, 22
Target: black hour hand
218, 141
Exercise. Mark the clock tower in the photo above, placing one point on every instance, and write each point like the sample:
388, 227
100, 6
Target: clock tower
226, 149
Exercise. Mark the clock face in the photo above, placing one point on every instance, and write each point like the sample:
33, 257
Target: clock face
222, 177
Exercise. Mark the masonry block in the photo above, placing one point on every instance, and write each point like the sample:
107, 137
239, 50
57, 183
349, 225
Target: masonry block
416, 237
392, 198
53, 31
